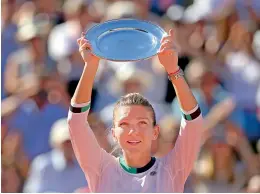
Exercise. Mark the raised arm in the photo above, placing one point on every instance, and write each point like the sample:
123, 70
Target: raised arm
181, 159
88, 152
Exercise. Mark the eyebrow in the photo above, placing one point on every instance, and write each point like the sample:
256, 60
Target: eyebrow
139, 118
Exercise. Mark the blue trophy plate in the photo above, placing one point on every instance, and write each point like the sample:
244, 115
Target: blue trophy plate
125, 39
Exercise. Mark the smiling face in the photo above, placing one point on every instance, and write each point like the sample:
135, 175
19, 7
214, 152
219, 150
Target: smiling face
134, 128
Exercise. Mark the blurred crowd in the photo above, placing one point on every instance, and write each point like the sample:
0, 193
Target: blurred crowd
218, 42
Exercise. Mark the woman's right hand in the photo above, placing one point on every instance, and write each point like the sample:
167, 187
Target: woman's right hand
85, 50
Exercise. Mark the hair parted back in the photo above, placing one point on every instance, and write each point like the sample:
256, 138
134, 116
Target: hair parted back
134, 99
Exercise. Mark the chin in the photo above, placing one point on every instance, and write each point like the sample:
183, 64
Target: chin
133, 149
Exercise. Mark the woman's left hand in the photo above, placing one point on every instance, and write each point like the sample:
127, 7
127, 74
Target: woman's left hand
168, 55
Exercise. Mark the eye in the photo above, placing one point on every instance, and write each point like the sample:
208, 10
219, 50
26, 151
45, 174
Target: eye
123, 124
143, 122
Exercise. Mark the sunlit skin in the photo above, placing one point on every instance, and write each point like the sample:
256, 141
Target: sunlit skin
134, 132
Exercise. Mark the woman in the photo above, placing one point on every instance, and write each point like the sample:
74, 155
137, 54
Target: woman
135, 130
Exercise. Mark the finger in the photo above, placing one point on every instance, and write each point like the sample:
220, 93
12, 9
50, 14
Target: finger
168, 52
83, 40
81, 49
165, 38
165, 50
171, 48
171, 34
85, 46
83, 34
78, 41
161, 49
167, 44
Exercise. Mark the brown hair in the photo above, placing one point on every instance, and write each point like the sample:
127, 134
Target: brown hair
128, 100
134, 99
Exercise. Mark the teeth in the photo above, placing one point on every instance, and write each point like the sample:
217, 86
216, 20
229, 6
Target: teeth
134, 141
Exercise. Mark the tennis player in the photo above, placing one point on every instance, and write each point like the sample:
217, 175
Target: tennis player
135, 129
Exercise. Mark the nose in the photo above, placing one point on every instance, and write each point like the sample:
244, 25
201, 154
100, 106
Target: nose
133, 130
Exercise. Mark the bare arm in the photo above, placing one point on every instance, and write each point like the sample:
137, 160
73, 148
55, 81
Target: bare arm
169, 59
185, 97
11, 103
181, 159
11, 80
84, 89
191, 130
85, 85
24, 85
88, 152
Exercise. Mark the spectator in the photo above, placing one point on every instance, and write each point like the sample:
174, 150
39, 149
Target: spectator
77, 20
34, 117
57, 170
33, 58
9, 42
241, 72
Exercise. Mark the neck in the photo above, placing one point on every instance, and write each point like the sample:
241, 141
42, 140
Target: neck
137, 160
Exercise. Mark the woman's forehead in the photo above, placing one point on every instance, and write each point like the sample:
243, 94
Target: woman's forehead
132, 112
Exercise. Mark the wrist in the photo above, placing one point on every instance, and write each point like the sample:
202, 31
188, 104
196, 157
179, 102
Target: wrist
176, 75
93, 62
173, 70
